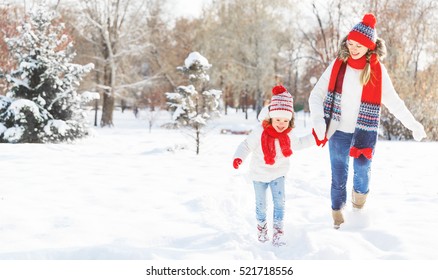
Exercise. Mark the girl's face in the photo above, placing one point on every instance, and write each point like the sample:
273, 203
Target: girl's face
356, 50
280, 124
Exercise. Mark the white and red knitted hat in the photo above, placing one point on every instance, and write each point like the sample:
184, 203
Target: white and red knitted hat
364, 32
281, 105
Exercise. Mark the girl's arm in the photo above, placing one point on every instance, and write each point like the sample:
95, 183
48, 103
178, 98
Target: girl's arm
397, 107
249, 144
298, 143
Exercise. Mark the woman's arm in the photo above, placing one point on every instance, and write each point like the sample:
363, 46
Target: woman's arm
397, 107
316, 102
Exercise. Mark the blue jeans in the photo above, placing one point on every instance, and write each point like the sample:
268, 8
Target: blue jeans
278, 197
339, 147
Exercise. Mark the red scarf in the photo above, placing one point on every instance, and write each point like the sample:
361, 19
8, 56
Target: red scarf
268, 142
357, 63
372, 91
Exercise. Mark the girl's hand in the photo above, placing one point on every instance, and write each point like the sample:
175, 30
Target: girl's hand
237, 162
319, 142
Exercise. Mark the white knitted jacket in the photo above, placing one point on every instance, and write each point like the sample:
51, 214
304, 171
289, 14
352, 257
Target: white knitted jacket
351, 98
258, 169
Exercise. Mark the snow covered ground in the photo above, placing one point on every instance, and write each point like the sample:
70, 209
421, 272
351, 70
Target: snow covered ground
125, 193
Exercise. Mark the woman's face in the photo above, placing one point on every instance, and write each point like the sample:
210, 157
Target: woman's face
280, 124
356, 50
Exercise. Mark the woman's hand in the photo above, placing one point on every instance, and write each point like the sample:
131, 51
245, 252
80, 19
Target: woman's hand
418, 132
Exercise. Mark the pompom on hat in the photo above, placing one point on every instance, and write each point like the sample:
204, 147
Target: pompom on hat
281, 105
364, 32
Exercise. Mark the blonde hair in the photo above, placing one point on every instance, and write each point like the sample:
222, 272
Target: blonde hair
365, 75
380, 51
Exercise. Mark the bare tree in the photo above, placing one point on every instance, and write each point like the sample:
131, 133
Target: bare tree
324, 36
243, 42
410, 61
116, 29
9, 19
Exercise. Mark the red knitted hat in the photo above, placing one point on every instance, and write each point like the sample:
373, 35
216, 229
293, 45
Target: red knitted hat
281, 105
364, 32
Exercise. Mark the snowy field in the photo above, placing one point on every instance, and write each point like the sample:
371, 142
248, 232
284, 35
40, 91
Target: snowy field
125, 193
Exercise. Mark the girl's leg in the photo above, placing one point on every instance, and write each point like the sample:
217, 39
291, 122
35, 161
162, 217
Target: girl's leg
339, 147
260, 198
278, 198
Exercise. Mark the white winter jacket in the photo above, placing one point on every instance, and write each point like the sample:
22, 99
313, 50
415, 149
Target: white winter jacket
259, 170
351, 98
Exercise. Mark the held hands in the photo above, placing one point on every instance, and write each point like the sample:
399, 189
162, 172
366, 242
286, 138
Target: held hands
319, 134
319, 130
418, 132
236, 163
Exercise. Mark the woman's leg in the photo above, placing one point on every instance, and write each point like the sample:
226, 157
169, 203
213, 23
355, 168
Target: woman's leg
361, 180
339, 147
362, 172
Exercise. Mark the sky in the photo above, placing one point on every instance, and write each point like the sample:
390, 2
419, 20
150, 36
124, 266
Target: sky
127, 194
187, 8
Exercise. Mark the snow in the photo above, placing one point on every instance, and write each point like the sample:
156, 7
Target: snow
18, 105
88, 96
18, 82
196, 57
61, 126
216, 93
12, 134
125, 193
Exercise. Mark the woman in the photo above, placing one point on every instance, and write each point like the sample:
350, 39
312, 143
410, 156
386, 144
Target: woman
345, 110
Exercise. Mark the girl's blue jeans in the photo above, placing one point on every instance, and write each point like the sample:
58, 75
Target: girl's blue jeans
339, 147
278, 197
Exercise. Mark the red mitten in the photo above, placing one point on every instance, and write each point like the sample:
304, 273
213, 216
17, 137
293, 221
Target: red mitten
237, 162
319, 142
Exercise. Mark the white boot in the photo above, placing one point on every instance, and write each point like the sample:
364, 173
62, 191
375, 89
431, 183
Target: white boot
277, 238
262, 232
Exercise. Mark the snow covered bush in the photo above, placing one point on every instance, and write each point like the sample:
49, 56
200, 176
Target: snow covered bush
21, 119
193, 105
42, 104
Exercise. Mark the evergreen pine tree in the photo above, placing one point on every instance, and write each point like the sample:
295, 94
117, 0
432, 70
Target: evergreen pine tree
194, 105
42, 104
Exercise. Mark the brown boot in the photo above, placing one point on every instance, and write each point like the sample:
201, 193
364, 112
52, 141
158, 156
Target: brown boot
338, 218
358, 199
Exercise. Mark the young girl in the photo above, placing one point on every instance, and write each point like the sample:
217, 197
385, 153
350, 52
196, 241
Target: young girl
345, 108
271, 144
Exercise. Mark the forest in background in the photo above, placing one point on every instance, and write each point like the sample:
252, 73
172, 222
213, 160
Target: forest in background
136, 47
